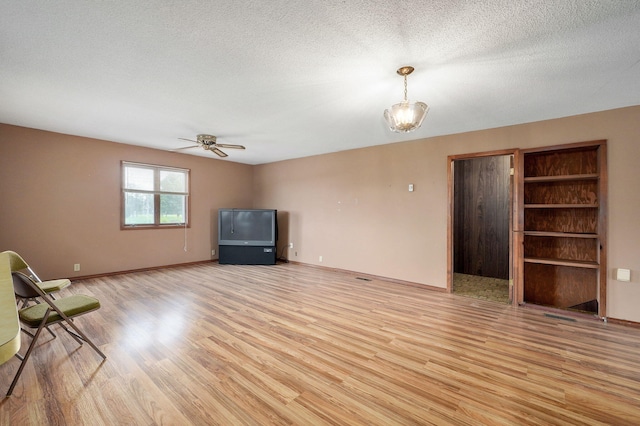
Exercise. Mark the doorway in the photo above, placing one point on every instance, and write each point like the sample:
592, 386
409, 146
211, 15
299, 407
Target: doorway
480, 224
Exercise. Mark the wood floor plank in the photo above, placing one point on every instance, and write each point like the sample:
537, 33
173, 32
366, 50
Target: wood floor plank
296, 345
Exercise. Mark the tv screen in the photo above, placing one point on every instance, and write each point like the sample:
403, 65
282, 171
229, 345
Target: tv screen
247, 227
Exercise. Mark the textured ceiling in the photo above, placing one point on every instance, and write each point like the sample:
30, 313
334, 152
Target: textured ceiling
292, 79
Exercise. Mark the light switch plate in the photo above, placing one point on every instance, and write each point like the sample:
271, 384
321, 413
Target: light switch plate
623, 274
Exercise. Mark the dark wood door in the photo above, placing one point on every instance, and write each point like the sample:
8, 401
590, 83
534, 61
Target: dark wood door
481, 216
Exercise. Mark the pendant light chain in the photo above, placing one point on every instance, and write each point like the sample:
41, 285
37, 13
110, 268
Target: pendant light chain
405, 87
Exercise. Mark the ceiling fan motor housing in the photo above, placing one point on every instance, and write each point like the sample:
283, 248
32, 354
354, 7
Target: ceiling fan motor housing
207, 140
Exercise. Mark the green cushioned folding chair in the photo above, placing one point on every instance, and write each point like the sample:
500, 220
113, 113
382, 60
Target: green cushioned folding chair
18, 265
42, 315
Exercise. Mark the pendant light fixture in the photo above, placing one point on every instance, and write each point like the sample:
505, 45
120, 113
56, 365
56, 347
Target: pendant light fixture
405, 116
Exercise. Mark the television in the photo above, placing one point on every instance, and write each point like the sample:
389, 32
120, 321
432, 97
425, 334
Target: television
247, 227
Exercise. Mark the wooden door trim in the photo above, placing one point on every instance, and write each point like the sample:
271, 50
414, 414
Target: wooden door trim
518, 228
602, 227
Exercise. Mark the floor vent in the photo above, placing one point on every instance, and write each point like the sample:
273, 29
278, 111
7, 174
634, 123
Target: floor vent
560, 317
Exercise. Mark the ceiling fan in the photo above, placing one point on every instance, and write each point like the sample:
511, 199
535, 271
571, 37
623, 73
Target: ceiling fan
209, 143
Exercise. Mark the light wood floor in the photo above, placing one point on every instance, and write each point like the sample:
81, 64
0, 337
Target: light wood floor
288, 344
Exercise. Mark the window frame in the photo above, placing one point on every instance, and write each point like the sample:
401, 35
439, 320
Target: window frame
157, 193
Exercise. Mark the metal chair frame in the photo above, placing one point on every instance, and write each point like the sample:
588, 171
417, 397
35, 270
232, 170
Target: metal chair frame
63, 318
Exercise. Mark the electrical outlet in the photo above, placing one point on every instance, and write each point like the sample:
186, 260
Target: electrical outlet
319, 258
76, 267
213, 252
290, 245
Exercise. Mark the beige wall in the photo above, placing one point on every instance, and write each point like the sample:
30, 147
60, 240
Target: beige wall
61, 204
353, 208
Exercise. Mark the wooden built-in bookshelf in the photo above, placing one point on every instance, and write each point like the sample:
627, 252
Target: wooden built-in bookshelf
564, 235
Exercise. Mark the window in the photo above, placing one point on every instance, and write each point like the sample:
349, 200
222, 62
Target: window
154, 196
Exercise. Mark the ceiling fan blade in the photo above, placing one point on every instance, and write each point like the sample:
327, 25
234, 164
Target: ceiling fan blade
189, 140
217, 151
224, 145
185, 147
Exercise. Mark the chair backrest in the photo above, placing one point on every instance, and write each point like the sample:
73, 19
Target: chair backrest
22, 287
16, 262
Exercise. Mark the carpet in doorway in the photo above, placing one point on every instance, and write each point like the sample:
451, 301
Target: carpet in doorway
485, 288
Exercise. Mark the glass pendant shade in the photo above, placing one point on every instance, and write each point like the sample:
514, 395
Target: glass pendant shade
406, 116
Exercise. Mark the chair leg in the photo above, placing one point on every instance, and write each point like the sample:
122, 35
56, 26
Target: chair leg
31, 334
82, 336
26, 356
73, 334
51, 332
